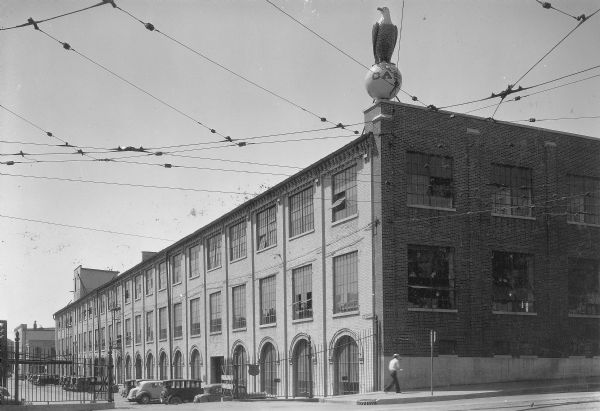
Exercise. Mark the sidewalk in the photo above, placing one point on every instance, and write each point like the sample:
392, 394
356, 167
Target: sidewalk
583, 384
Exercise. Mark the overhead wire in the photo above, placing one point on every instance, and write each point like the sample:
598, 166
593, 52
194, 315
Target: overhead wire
548, 5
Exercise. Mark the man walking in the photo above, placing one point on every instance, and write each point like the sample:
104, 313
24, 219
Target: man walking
394, 367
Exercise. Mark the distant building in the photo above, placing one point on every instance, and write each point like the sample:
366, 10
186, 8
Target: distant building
483, 234
36, 343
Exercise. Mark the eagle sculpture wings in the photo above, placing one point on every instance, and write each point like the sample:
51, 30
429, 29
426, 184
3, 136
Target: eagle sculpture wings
385, 34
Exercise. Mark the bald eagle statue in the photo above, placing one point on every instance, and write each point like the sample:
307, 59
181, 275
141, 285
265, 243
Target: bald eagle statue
385, 34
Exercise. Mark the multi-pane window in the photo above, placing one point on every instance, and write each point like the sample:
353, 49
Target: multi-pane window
102, 303
177, 268
89, 340
138, 329
512, 282
150, 326
127, 292
266, 228
138, 287
177, 321
237, 241
213, 256
194, 261
195, 316
584, 286
302, 214
343, 194
511, 190
111, 337
429, 180
584, 200
267, 300
215, 312
238, 303
302, 292
103, 337
149, 281
162, 323
345, 283
127, 332
162, 276
96, 342
431, 277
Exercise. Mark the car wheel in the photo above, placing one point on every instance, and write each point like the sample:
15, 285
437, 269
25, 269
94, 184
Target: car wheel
175, 400
144, 399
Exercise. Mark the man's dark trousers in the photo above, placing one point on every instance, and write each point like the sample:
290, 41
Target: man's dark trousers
394, 381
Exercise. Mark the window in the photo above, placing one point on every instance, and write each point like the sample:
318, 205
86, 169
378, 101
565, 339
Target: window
102, 303
177, 321
301, 212
429, 180
237, 241
177, 268
96, 342
513, 282
343, 194
266, 228
138, 287
584, 287
90, 340
137, 325
127, 332
195, 316
302, 292
119, 334
111, 337
431, 277
511, 190
162, 276
267, 300
150, 326
127, 292
162, 323
149, 281
345, 282
238, 301
215, 312
213, 258
194, 261
584, 200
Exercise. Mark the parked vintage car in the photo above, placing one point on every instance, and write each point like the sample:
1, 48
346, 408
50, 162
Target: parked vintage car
146, 392
178, 391
213, 393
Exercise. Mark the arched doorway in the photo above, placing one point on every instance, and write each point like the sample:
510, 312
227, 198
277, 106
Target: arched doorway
345, 366
195, 365
302, 370
138, 367
177, 365
150, 367
119, 370
128, 367
240, 362
163, 363
268, 369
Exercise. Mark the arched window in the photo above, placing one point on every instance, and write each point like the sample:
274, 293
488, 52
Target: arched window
119, 370
177, 365
345, 366
195, 366
150, 367
128, 367
302, 370
163, 371
138, 367
268, 369
240, 363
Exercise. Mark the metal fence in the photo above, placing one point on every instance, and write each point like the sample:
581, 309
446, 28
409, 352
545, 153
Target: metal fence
44, 377
312, 370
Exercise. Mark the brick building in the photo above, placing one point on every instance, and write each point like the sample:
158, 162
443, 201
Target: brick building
485, 232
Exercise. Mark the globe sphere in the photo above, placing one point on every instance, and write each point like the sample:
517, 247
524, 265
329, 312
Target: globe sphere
383, 81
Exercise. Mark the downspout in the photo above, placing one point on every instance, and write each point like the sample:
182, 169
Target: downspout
169, 314
323, 286
285, 302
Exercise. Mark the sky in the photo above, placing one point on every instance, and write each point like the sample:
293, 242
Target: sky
170, 87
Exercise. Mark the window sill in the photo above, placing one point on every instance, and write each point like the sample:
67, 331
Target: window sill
302, 234
516, 217
584, 316
583, 224
437, 310
175, 284
194, 277
302, 320
512, 313
238, 259
238, 330
426, 207
162, 289
178, 338
270, 325
149, 294
208, 270
346, 314
196, 335
344, 220
503, 356
215, 333
162, 340
266, 248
